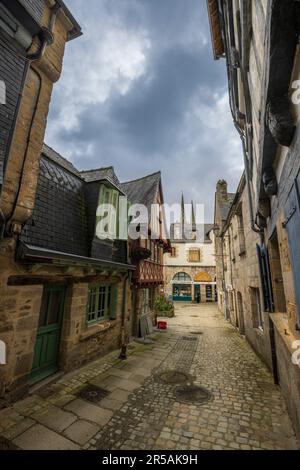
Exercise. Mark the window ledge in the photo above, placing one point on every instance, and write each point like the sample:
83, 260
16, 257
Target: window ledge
96, 329
281, 325
259, 330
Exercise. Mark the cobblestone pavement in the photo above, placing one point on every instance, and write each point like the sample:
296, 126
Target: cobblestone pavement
139, 410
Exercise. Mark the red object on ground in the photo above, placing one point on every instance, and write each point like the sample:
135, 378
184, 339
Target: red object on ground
162, 325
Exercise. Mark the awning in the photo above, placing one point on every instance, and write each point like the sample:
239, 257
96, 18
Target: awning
37, 254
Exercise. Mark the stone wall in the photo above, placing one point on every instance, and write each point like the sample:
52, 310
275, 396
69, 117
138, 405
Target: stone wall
81, 343
20, 304
242, 274
19, 316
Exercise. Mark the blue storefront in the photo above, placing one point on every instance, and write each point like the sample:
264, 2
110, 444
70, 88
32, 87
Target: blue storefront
182, 288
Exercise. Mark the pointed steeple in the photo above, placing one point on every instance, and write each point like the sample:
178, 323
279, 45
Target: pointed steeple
193, 219
182, 215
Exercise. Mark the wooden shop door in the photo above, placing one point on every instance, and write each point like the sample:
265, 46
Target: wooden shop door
47, 345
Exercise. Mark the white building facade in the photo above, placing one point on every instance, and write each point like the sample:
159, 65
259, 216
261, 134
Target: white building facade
190, 268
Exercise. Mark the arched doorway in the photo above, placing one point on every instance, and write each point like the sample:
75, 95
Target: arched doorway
182, 287
240, 313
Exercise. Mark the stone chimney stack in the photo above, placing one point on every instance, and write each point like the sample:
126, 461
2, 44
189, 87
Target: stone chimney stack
222, 194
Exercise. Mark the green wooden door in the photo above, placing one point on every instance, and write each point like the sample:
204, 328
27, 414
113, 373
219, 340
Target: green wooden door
46, 352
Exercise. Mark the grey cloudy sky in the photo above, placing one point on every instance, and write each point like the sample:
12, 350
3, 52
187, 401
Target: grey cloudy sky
140, 91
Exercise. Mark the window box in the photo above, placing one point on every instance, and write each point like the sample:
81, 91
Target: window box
140, 253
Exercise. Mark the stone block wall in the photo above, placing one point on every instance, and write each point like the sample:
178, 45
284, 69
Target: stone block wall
82, 343
242, 274
79, 344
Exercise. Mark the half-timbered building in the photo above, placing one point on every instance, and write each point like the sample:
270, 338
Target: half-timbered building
147, 251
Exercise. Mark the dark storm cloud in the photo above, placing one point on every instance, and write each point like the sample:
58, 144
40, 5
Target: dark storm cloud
165, 108
149, 117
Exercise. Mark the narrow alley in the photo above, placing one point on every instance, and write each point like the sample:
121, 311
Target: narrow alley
144, 402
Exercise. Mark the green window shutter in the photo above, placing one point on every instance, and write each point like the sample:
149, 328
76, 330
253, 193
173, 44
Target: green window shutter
113, 302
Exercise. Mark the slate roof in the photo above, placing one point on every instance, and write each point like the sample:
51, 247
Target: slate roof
59, 220
143, 190
64, 214
57, 158
101, 174
225, 206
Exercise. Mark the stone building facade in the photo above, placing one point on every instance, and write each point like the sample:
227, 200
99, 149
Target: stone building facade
66, 280
260, 43
189, 267
33, 35
66, 297
240, 294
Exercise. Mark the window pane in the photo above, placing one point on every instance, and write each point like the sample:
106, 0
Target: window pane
182, 277
91, 307
101, 302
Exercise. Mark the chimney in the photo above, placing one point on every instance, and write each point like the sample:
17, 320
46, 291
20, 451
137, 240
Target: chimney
222, 194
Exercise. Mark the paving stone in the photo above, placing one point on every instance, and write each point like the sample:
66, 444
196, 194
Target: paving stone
55, 418
111, 404
81, 431
142, 412
120, 395
89, 412
17, 429
120, 373
40, 438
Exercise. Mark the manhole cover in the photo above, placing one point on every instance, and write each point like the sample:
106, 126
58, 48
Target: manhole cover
173, 377
196, 333
193, 394
92, 393
189, 338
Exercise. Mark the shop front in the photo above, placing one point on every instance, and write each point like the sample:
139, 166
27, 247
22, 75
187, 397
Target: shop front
182, 288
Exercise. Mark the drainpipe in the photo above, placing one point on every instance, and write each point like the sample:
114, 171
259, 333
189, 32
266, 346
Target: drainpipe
123, 355
223, 277
254, 226
234, 111
46, 36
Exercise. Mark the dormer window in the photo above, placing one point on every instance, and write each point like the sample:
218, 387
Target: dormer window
107, 213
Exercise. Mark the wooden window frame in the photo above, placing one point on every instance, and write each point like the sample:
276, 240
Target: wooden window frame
113, 217
256, 308
193, 251
173, 253
93, 316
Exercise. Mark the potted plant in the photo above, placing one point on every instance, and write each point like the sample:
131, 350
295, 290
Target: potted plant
164, 307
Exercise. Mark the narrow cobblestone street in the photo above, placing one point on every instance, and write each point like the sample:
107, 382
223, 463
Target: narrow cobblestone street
138, 410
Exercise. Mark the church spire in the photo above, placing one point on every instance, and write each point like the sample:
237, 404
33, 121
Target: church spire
193, 220
182, 215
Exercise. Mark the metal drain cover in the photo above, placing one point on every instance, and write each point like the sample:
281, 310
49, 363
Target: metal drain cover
193, 394
189, 338
92, 393
173, 377
196, 333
